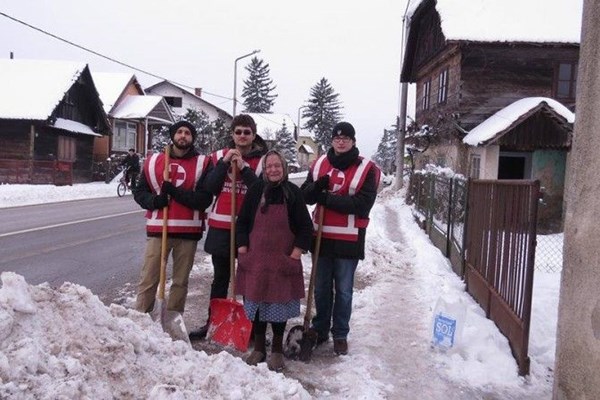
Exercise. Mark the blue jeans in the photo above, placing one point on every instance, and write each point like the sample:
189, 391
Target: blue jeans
338, 274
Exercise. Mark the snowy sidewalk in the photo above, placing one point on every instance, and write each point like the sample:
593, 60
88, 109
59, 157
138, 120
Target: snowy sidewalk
390, 356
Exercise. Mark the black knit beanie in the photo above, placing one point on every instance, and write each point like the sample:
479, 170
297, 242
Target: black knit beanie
178, 125
343, 129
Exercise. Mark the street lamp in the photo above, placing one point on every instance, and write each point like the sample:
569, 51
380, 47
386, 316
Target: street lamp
298, 130
235, 78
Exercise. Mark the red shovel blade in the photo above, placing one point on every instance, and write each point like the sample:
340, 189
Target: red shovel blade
228, 324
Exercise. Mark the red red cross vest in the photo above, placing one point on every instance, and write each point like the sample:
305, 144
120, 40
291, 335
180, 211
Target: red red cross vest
220, 215
336, 225
184, 173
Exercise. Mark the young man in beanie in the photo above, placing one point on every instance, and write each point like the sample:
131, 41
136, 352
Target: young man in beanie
184, 194
344, 186
243, 153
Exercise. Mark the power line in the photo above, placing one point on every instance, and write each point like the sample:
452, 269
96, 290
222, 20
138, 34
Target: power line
106, 57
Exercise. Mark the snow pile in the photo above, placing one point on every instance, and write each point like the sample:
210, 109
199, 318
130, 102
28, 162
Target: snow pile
65, 344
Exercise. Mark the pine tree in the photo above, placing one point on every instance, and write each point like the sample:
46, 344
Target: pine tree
203, 127
285, 144
160, 139
221, 134
385, 156
322, 112
258, 88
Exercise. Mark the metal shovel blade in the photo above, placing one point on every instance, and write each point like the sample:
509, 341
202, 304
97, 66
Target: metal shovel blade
300, 343
171, 321
228, 324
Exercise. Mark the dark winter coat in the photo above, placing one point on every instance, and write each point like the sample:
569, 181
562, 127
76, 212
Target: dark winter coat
217, 240
360, 204
132, 162
298, 217
198, 199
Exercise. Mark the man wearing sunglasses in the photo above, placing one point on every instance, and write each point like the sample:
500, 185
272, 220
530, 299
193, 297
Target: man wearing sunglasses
344, 186
244, 152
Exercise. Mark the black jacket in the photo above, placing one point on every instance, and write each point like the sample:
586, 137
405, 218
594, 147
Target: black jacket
359, 204
132, 162
197, 199
298, 217
218, 240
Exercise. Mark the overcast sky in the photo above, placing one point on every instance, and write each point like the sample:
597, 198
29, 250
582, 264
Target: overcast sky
355, 45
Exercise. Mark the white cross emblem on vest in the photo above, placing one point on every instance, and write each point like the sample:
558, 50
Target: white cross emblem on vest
336, 180
180, 174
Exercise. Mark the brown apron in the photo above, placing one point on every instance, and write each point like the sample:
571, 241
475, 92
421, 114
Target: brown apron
267, 273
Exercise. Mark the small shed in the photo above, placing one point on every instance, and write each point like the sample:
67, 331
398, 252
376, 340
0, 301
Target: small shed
528, 139
50, 114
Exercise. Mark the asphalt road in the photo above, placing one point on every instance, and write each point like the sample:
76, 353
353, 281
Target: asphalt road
97, 243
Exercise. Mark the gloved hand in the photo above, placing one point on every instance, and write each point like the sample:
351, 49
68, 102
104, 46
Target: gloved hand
167, 187
322, 198
322, 183
161, 200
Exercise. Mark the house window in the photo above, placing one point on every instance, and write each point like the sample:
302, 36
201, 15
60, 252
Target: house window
441, 161
443, 86
123, 136
66, 148
475, 166
174, 101
426, 92
566, 79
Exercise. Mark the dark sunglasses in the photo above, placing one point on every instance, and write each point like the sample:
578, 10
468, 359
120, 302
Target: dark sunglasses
246, 132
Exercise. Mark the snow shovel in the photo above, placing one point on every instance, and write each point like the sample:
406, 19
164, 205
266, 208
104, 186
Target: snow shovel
228, 323
171, 321
301, 340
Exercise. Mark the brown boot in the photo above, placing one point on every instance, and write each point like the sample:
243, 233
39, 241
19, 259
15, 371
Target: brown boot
258, 355
275, 361
340, 347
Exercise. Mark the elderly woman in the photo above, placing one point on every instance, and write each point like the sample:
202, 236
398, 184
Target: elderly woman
273, 229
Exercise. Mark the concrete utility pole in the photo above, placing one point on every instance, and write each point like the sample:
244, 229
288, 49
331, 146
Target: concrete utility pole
577, 366
235, 78
401, 120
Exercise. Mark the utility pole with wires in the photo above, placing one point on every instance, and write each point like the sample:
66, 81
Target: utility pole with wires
401, 119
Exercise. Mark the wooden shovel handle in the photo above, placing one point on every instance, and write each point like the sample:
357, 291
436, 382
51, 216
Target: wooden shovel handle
232, 230
163, 244
313, 271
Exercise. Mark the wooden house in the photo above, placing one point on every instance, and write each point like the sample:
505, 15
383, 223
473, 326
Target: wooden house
307, 150
473, 60
132, 115
50, 115
181, 99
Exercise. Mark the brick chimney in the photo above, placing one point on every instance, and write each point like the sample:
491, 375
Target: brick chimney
198, 91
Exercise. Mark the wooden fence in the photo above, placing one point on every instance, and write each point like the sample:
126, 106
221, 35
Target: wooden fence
36, 172
488, 231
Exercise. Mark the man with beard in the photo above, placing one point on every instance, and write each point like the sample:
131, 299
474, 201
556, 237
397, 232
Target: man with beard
183, 192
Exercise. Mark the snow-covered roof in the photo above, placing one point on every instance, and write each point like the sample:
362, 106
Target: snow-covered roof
74, 126
31, 89
306, 148
506, 117
269, 123
110, 86
551, 21
137, 107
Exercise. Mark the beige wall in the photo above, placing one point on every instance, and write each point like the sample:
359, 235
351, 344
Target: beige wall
489, 161
577, 369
